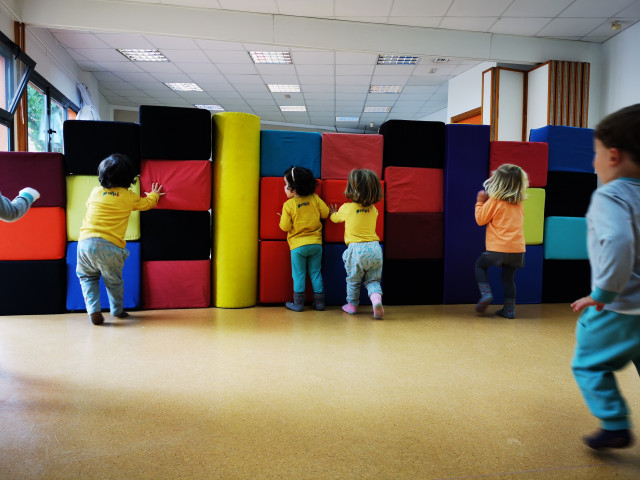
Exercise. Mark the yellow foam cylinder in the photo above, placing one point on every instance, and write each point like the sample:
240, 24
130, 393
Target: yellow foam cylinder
236, 196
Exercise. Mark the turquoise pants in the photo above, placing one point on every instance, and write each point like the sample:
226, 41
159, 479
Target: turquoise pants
606, 341
307, 259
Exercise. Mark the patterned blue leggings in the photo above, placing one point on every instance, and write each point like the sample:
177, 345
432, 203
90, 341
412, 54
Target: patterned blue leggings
99, 257
363, 263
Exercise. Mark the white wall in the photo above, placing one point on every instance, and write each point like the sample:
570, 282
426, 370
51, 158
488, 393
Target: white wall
465, 90
621, 71
510, 105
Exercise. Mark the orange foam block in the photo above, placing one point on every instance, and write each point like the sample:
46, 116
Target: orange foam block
40, 235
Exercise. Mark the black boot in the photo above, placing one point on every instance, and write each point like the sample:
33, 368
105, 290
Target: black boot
298, 302
318, 301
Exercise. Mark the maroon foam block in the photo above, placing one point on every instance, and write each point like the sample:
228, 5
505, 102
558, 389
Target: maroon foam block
342, 152
532, 157
413, 189
414, 235
40, 170
176, 284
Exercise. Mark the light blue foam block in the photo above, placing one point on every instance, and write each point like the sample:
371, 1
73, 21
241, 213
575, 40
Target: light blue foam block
280, 150
565, 238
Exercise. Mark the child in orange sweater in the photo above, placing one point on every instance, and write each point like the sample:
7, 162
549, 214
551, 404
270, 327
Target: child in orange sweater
500, 209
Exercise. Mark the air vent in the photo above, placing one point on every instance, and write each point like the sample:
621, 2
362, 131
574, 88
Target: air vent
440, 60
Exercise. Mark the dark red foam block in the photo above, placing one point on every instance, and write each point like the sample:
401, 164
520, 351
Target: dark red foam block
413, 235
176, 284
40, 235
40, 170
272, 197
334, 195
411, 189
342, 152
187, 183
276, 283
532, 157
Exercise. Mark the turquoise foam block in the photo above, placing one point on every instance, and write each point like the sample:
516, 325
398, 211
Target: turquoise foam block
565, 238
280, 150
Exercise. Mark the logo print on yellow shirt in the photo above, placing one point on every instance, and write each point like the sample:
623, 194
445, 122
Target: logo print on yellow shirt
303, 204
113, 194
362, 210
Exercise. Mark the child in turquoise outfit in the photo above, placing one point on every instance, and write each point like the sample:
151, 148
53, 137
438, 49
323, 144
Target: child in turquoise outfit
608, 330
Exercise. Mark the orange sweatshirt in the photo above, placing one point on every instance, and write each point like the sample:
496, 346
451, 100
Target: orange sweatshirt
504, 223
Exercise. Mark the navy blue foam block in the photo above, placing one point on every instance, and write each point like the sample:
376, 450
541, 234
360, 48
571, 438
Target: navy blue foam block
130, 273
33, 287
334, 276
175, 133
466, 167
175, 235
528, 279
413, 143
568, 193
280, 150
570, 148
88, 142
413, 282
565, 281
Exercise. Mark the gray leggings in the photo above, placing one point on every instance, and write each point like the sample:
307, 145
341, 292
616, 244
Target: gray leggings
510, 262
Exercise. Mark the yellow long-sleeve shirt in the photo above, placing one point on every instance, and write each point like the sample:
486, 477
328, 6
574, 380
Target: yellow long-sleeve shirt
504, 223
108, 211
301, 220
360, 222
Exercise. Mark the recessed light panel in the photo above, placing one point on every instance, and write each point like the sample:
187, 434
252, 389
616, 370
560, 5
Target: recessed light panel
271, 57
142, 55
211, 108
183, 87
377, 109
347, 119
397, 59
284, 88
385, 88
293, 108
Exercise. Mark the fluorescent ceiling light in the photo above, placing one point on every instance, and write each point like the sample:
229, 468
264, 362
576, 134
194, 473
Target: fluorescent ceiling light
377, 109
143, 55
385, 88
293, 108
270, 57
384, 59
183, 87
347, 119
211, 108
284, 88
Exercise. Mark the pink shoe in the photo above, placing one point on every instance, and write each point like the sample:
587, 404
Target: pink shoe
378, 310
350, 309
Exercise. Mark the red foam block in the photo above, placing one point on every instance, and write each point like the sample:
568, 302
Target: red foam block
176, 284
40, 235
414, 235
187, 183
334, 195
276, 283
40, 170
532, 157
413, 189
272, 197
342, 152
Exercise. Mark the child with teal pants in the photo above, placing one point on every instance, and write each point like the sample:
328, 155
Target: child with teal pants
608, 331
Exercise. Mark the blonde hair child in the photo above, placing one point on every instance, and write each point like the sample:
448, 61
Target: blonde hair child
363, 256
500, 209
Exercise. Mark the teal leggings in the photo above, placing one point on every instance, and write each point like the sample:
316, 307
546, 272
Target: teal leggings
606, 341
307, 258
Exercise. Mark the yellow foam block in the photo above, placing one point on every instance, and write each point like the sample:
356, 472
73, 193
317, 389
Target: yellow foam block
78, 189
534, 216
236, 198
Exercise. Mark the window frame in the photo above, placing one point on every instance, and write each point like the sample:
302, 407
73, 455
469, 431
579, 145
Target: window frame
6, 116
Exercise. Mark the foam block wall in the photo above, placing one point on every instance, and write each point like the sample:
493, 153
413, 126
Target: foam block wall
276, 282
410, 143
88, 142
174, 133
130, 273
413, 189
39, 235
413, 235
40, 170
528, 279
531, 157
187, 183
534, 216
564, 281
569, 193
280, 150
175, 235
565, 238
570, 148
343, 152
27, 293
176, 284
236, 168
412, 282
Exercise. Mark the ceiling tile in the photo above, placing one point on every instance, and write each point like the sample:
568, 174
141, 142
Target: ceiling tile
124, 40
357, 7
569, 27
80, 40
428, 22
258, 6
306, 8
415, 8
519, 26
473, 24
595, 8
539, 8
172, 43
354, 70
478, 8
194, 55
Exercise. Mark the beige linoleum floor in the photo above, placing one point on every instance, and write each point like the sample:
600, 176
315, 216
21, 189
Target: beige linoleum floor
431, 392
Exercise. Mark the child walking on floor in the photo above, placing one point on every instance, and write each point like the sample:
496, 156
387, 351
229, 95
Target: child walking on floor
101, 245
363, 256
608, 330
499, 207
300, 218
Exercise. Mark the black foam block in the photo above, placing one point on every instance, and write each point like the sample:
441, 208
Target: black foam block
175, 235
33, 287
412, 282
412, 143
564, 281
88, 142
174, 133
568, 193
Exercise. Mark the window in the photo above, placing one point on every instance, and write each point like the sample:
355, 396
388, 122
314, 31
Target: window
15, 69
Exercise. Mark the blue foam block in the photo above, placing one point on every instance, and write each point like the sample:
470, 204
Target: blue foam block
466, 167
335, 277
528, 279
565, 238
130, 273
570, 148
280, 150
